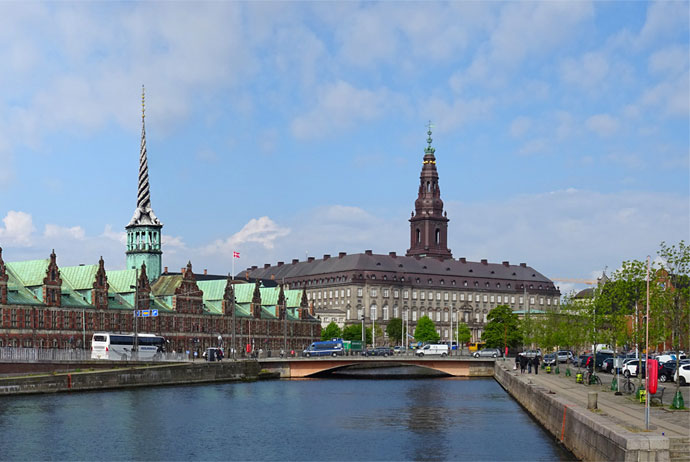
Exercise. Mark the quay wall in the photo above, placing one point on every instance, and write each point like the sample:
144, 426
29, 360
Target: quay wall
587, 435
168, 374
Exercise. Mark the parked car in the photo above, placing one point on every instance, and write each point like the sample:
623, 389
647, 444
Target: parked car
487, 353
607, 365
601, 357
683, 374
630, 368
532, 353
565, 355
379, 351
667, 371
399, 349
550, 359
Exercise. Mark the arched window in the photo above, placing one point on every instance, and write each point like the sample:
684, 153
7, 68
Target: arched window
428, 186
419, 236
438, 236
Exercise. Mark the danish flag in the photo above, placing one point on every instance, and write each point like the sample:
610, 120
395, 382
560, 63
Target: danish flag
235, 255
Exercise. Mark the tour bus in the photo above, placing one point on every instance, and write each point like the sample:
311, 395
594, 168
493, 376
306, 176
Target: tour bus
476, 346
108, 345
328, 348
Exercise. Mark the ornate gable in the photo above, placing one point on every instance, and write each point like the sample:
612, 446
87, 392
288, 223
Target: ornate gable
280, 307
52, 283
188, 298
99, 294
229, 297
256, 300
144, 290
4, 277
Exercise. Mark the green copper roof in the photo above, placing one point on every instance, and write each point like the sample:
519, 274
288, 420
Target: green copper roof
121, 280
166, 285
213, 289
29, 273
79, 277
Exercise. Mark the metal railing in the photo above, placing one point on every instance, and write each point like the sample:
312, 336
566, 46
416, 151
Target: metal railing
15, 354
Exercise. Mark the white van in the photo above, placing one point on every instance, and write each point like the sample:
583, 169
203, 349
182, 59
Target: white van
433, 350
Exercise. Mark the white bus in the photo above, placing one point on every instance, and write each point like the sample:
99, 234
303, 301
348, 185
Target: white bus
108, 345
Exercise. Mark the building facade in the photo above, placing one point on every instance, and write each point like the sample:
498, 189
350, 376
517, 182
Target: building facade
45, 305
426, 281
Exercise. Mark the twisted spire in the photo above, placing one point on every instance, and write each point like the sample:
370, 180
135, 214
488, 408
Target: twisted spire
143, 213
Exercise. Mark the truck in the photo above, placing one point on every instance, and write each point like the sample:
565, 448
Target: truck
327, 348
352, 347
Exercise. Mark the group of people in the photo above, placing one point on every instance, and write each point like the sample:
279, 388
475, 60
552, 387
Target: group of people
524, 362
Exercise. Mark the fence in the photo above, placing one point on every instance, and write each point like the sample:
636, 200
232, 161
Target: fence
14, 354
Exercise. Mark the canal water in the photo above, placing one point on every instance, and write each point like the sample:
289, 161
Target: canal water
423, 419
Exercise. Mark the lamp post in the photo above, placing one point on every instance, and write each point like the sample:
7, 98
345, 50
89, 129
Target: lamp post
364, 337
234, 322
135, 347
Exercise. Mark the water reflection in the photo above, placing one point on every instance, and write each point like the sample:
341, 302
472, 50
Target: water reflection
441, 419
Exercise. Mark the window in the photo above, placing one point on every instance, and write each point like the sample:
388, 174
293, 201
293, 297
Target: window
414, 295
359, 291
541, 300
395, 293
360, 313
414, 316
462, 297
445, 296
469, 297
531, 300
520, 300
348, 293
455, 297
385, 293
330, 293
492, 299
374, 292
319, 295
373, 312
430, 281
438, 296
548, 301
422, 295
485, 298
445, 316
452, 283
385, 312
512, 299
464, 283
27, 319
405, 294
395, 311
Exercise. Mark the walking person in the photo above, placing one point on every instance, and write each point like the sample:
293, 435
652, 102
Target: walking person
517, 361
529, 366
536, 365
523, 363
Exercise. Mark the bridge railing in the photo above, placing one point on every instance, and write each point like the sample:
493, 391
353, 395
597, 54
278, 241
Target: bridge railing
14, 354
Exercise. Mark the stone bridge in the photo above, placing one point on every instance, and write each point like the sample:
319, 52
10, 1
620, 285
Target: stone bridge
309, 367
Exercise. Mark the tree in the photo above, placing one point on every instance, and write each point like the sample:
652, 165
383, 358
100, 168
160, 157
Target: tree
675, 297
394, 329
503, 324
426, 331
331, 331
463, 335
354, 332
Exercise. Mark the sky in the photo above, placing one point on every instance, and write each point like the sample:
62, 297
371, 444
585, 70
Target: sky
292, 129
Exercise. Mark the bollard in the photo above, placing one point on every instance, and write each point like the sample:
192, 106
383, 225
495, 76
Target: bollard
614, 384
678, 401
639, 392
557, 371
592, 397
548, 369
643, 396
578, 377
567, 372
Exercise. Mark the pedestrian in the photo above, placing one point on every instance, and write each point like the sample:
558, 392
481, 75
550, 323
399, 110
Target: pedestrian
536, 365
282, 352
523, 363
529, 366
517, 361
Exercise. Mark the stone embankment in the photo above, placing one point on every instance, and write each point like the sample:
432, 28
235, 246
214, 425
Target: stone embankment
136, 376
599, 434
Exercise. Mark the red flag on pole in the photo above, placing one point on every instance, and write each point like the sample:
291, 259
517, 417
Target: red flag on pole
236, 255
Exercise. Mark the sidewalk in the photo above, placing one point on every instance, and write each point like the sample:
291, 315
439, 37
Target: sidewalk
623, 410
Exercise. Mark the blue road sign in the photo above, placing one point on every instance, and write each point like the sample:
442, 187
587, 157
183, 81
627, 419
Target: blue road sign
154, 312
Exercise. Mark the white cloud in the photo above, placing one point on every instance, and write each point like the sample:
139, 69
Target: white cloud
262, 231
672, 96
672, 60
18, 229
339, 106
664, 19
55, 232
119, 236
452, 114
602, 124
520, 125
589, 71
534, 146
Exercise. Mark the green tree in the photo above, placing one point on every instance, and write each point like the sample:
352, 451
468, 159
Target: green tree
426, 331
394, 329
331, 331
462, 335
674, 284
354, 332
503, 324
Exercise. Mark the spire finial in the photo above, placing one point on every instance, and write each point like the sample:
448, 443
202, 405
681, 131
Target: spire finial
429, 149
143, 103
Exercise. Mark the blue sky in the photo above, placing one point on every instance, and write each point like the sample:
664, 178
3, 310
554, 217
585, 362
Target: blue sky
285, 129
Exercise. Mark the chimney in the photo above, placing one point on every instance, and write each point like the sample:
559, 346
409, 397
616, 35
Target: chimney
310, 259
342, 254
506, 264
484, 261
165, 270
392, 254
463, 260
281, 263
295, 261
524, 265
205, 271
267, 265
368, 252
326, 257
254, 267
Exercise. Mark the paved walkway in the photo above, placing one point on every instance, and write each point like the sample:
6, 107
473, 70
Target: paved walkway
623, 410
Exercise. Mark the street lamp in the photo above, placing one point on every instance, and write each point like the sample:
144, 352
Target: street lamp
364, 337
135, 347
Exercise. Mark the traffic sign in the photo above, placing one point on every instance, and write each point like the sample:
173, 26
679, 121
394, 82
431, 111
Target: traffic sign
154, 312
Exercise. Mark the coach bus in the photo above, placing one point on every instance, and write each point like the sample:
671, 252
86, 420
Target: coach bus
108, 345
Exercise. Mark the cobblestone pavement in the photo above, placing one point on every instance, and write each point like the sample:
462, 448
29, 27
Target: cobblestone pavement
624, 410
